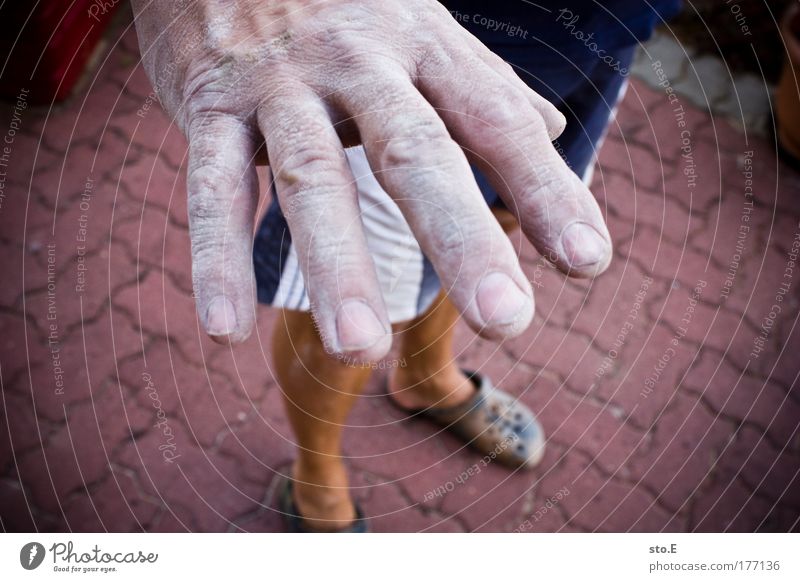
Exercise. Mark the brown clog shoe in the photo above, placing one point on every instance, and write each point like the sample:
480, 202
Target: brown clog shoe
492, 422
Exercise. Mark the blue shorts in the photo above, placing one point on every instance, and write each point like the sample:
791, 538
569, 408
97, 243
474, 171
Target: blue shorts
583, 76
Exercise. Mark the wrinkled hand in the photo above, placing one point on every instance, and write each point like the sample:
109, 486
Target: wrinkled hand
422, 95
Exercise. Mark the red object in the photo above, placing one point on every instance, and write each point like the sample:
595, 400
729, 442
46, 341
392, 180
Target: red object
45, 48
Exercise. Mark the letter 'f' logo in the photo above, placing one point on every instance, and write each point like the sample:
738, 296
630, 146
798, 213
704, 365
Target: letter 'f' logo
31, 555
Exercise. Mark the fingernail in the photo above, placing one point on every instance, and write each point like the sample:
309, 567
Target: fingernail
560, 124
583, 245
357, 326
500, 300
220, 317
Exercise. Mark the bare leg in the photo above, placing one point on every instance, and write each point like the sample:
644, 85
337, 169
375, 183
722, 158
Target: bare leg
319, 391
431, 377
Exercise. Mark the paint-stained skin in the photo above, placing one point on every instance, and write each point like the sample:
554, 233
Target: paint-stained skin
423, 96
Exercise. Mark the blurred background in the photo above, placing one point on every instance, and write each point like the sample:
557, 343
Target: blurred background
668, 386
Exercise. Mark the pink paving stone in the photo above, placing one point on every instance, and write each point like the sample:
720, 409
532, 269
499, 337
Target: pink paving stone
212, 410
63, 189
769, 472
132, 77
14, 260
569, 355
783, 223
558, 298
111, 414
717, 176
391, 511
421, 479
732, 210
491, 500
160, 309
673, 218
84, 116
630, 159
13, 217
144, 237
248, 366
115, 505
787, 368
620, 228
22, 186
664, 259
12, 338
730, 507
701, 126
153, 133
151, 182
205, 402
709, 323
60, 470
630, 118
85, 372
81, 291
785, 193
617, 305
596, 502
742, 397
145, 459
648, 380
45, 484
261, 521
761, 284
151, 243
211, 486
681, 452
542, 515
19, 515
505, 372
259, 453
643, 96
585, 425
176, 519
20, 426
77, 228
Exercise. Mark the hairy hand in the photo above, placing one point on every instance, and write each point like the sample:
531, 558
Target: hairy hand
423, 96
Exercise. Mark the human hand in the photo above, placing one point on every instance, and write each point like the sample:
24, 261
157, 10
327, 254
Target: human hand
423, 96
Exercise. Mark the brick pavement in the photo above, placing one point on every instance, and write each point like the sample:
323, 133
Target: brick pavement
119, 415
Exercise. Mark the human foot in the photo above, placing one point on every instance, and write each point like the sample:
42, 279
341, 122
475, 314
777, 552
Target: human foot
322, 498
412, 389
492, 422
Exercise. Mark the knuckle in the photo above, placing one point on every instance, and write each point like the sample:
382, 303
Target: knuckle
205, 209
208, 99
415, 141
205, 180
204, 247
543, 194
435, 62
309, 171
333, 260
504, 107
459, 237
503, 67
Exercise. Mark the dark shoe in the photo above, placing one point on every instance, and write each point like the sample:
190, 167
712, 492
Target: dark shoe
493, 422
295, 522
